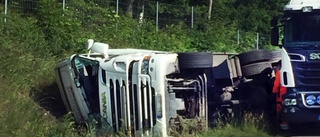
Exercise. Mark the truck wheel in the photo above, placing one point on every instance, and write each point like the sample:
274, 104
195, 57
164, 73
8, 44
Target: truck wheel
195, 60
256, 68
254, 56
275, 56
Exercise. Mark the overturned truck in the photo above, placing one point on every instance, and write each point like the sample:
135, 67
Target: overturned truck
150, 93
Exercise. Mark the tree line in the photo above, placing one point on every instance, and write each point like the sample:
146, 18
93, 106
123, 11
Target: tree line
118, 22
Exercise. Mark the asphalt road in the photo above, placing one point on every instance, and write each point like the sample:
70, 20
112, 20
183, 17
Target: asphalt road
309, 129
303, 130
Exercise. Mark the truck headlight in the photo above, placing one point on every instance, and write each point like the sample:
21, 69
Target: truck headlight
311, 99
318, 99
145, 65
290, 102
307, 9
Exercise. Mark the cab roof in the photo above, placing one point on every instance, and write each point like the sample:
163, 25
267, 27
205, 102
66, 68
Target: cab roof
301, 4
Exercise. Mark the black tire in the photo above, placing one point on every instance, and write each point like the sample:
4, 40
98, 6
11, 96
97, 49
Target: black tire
254, 56
256, 68
195, 60
275, 56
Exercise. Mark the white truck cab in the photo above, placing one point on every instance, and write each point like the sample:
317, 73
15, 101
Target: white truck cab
141, 92
304, 5
158, 93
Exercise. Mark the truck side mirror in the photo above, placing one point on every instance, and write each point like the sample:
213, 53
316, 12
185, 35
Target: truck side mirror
275, 31
274, 21
275, 36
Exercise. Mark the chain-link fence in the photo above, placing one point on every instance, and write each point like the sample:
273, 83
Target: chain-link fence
161, 14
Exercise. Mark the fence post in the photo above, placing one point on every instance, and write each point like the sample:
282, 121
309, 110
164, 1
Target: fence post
117, 7
64, 4
238, 37
257, 40
192, 17
5, 10
157, 16
117, 12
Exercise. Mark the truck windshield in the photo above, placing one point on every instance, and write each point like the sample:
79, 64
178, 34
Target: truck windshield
302, 29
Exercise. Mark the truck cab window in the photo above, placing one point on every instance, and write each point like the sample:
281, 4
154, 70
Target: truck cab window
302, 28
87, 72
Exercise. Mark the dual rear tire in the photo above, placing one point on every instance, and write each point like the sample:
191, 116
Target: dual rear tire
190, 60
255, 62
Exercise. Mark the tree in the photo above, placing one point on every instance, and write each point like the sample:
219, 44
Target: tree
141, 11
129, 8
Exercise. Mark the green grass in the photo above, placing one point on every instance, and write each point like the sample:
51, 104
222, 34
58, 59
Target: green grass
28, 91
251, 126
27, 82
24, 113
232, 131
21, 116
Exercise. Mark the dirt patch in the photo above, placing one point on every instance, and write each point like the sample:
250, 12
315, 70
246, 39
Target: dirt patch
48, 97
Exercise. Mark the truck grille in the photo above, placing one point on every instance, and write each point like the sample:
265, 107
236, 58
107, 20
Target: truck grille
307, 74
140, 103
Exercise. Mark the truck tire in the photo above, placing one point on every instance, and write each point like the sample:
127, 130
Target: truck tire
275, 56
195, 60
256, 68
254, 56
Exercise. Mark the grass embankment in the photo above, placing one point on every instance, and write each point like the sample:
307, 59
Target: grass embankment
26, 82
29, 100
21, 116
250, 126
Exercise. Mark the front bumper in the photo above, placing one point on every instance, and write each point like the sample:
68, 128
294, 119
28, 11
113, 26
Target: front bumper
293, 114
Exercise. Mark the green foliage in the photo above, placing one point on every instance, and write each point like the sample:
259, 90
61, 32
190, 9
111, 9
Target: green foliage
20, 116
250, 126
32, 45
63, 31
232, 131
255, 15
25, 52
